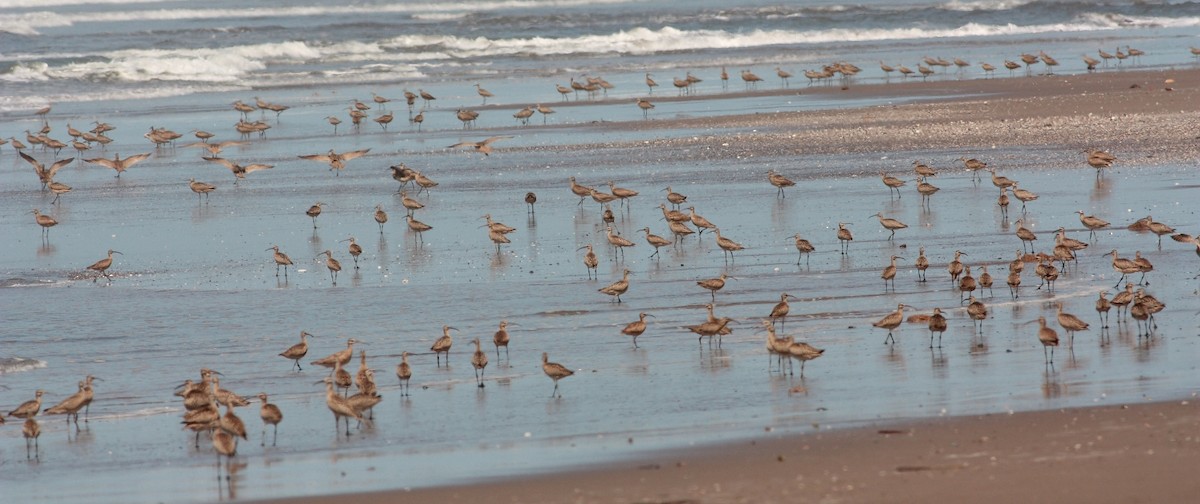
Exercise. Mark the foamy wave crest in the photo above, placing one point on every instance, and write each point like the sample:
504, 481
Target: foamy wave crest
985, 5
19, 364
28, 23
668, 39
217, 65
25, 282
27, 4
25, 103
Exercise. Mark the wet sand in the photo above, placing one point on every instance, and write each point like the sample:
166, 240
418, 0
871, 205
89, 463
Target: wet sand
199, 259
1140, 452
1143, 452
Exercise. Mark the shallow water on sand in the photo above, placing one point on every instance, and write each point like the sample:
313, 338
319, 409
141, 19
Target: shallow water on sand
194, 288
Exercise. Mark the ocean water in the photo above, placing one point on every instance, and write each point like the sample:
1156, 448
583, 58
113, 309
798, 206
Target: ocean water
194, 286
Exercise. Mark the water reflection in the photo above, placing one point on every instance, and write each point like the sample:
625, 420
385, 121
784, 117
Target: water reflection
1051, 387
939, 362
46, 249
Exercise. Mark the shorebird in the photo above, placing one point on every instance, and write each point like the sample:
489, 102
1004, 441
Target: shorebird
75, 402
101, 266
1102, 308
1025, 234
45, 221
779, 312
590, 261
889, 274
270, 415
483, 146
417, 226
783, 75
890, 224
1159, 229
618, 242
332, 264
1014, 282
714, 284
530, 199
501, 338
636, 328
442, 345
340, 357
727, 246
30, 408
937, 323
844, 237
779, 181
650, 83
1124, 267
621, 192
926, 190
892, 183
803, 352
700, 222
118, 164
1070, 323
655, 241
955, 267
314, 211
336, 162
404, 372
675, 198
201, 189
921, 264
1023, 195
1048, 338
522, 116
340, 407
977, 311
46, 175
887, 70
555, 371
804, 247
617, 288
891, 321
973, 165
479, 360
645, 105
711, 328
545, 111
239, 171
31, 430
483, 93
297, 351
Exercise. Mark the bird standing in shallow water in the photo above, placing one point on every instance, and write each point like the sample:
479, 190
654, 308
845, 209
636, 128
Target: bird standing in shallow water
555, 371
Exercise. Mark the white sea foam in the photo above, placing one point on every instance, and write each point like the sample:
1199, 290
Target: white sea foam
667, 39
984, 5
28, 23
23, 103
19, 364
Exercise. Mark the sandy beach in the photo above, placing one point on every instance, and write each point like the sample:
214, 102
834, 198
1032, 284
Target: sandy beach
982, 419
1128, 453
1131, 452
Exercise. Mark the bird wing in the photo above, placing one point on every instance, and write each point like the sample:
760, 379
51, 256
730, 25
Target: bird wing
105, 162
230, 143
226, 162
256, 167
132, 160
37, 166
462, 144
58, 166
354, 154
493, 139
320, 158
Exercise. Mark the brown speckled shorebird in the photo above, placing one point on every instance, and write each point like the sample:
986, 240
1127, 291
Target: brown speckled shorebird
555, 371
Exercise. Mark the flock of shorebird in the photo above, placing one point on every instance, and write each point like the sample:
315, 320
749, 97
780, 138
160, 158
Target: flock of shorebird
202, 399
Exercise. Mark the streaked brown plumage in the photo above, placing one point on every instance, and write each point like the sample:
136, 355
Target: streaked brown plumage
443, 344
270, 415
404, 372
636, 328
555, 371
479, 360
890, 322
937, 324
617, 288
